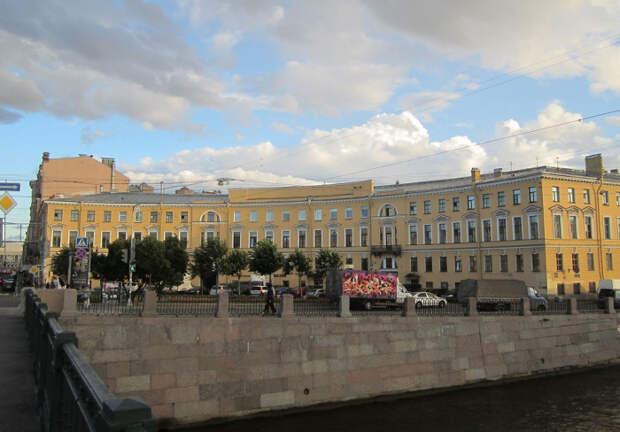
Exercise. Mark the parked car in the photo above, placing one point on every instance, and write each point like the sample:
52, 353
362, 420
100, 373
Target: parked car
7, 283
428, 299
609, 288
317, 293
215, 289
258, 290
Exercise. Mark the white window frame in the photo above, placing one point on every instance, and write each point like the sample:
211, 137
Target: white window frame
250, 238
505, 219
299, 231
59, 237
348, 213
267, 235
330, 231
314, 237
240, 239
364, 228
424, 233
77, 233
414, 225
529, 226
301, 216
344, 243
512, 227
269, 216
439, 232
109, 239
460, 230
286, 218
166, 234
553, 217
333, 214
587, 218
186, 238
576, 226
282, 233
490, 230
122, 216
475, 230
253, 216
236, 216
605, 236
318, 214
364, 212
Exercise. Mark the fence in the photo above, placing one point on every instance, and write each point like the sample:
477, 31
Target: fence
499, 306
122, 305
319, 307
70, 395
450, 309
186, 304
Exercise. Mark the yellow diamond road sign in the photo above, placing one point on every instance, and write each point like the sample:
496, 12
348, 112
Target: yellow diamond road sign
7, 203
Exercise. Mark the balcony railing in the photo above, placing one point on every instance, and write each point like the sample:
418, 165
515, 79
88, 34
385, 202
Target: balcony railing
394, 249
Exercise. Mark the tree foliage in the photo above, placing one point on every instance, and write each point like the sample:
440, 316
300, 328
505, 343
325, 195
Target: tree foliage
326, 260
298, 263
234, 263
111, 267
175, 254
265, 258
208, 259
160, 264
60, 261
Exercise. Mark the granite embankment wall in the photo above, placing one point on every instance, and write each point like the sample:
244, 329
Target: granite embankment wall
195, 369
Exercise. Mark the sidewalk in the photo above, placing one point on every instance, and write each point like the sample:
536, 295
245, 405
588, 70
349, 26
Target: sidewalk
18, 410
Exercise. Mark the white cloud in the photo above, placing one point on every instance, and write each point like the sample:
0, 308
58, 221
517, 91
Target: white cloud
614, 120
283, 128
90, 135
424, 103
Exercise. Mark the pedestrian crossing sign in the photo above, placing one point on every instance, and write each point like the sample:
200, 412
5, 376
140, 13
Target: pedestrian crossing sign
81, 242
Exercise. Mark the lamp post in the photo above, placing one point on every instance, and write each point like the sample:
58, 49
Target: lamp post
132, 247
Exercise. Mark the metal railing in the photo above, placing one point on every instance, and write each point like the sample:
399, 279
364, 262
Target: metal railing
121, 305
450, 309
395, 310
499, 306
186, 304
249, 305
70, 395
589, 306
319, 307
555, 306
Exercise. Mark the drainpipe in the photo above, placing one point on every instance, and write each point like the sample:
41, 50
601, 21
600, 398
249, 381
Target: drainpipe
599, 237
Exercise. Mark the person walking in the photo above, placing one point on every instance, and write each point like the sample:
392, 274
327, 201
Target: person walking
269, 300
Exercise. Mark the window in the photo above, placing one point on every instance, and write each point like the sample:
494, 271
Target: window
486, 200
428, 234
607, 227
301, 215
58, 215
105, 239
618, 226
364, 211
559, 262
501, 229
364, 236
618, 198
122, 235
519, 262
213, 217
348, 213
318, 237
253, 239
572, 223
413, 234
184, 217
56, 236
471, 202
153, 218
535, 262
471, 231
269, 235
501, 199
473, 264
286, 216
414, 264
387, 233
533, 227
442, 205
575, 262
428, 264
269, 216
610, 263
590, 259
586, 196
72, 238
458, 267
137, 235
503, 263
605, 197
571, 195
486, 230
167, 235
443, 264
318, 214
561, 290
333, 214
517, 228
349, 261
587, 220
456, 204
253, 216
286, 239
301, 239
236, 239
427, 207
237, 216
576, 288
592, 287
90, 215
516, 197
348, 237
488, 263
75, 215
153, 235
122, 216
183, 239
137, 216
533, 194
456, 232
168, 217
365, 264
443, 233
557, 226
388, 210
555, 193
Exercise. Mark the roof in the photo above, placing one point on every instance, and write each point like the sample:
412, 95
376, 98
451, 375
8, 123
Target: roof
132, 198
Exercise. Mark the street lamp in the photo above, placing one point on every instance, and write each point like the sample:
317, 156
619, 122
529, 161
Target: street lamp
132, 247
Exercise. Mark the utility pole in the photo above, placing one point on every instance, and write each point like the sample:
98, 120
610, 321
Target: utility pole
69, 270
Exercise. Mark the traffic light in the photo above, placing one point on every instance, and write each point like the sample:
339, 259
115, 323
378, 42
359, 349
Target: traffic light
124, 255
132, 268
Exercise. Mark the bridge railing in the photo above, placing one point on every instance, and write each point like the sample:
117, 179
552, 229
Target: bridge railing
70, 395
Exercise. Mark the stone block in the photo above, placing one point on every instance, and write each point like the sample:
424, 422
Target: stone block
475, 374
117, 369
133, 383
183, 334
163, 411
182, 394
163, 381
193, 411
279, 399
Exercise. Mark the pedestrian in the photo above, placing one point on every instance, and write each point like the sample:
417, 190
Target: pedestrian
269, 300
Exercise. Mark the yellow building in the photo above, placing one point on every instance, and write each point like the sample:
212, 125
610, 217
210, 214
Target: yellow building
556, 229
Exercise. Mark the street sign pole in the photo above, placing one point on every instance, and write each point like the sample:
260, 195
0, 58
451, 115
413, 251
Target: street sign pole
69, 271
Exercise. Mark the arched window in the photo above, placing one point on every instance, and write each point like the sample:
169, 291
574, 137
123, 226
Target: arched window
387, 210
210, 216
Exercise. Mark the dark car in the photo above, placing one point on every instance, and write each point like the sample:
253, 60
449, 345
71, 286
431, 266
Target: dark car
8, 283
604, 294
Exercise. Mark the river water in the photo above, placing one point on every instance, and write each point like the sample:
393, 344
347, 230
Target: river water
585, 401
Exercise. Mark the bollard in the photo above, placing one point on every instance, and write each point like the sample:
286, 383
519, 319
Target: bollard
69, 306
286, 306
524, 307
150, 304
609, 305
222, 304
409, 307
472, 306
343, 306
572, 306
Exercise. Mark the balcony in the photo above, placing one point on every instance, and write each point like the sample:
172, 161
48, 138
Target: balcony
394, 249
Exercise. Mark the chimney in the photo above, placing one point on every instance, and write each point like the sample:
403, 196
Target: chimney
594, 165
109, 162
497, 172
614, 171
475, 174
46, 156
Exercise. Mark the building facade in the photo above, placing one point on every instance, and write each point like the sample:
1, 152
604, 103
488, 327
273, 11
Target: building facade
557, 229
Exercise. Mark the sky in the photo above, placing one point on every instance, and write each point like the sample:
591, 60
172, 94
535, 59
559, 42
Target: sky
275, 93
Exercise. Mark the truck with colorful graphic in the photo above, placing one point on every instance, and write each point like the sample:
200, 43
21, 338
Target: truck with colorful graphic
366, 289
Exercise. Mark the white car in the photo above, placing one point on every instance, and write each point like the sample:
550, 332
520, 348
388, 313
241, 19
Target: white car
427, 299
258, 290
216, 289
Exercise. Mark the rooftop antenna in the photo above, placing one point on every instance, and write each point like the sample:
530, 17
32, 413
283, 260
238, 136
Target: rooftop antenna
557, 163
536, 161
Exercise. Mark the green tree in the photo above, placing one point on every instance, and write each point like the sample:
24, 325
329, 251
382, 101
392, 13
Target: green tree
111, 267
60, 261
298, 263
175, 254
151, 262
208, 260
234, 263
326, 260
265, 258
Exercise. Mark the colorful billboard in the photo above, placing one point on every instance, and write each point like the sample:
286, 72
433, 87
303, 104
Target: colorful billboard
356, 283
